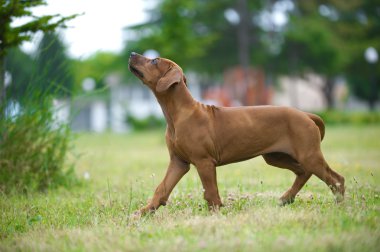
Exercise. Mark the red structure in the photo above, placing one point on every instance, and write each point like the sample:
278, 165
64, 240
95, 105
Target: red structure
241, 87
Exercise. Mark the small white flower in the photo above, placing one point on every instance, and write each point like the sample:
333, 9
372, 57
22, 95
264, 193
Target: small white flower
86, 175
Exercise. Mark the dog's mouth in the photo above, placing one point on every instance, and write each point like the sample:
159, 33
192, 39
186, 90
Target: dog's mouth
136, 72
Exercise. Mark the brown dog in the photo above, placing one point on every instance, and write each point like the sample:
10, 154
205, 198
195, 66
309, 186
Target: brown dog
209, 136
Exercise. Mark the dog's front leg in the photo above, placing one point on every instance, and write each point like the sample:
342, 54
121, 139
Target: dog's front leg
175, 172
207, 172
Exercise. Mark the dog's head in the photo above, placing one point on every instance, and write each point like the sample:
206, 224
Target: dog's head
158, 74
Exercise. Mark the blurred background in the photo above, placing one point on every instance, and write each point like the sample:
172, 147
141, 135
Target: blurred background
313, 55
64, 69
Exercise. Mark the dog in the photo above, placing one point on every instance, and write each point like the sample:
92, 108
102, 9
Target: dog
210, 136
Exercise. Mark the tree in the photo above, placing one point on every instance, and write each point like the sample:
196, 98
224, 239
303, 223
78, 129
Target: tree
326, 37
11, 36
329, 37
48, 72
21, 66
53, 70
174, 30
98, 67
359, 27
198, 36
312, 45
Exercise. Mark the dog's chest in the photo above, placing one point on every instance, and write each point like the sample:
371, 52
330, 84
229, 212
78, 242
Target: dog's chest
191, 145
182, 145
176, 145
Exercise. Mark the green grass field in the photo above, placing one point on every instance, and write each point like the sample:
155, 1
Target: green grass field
125, 169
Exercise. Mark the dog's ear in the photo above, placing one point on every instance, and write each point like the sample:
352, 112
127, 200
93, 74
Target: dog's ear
173, 76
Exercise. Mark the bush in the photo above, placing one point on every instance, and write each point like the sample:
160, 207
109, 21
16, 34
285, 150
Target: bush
355, 118
148, 123
33, 149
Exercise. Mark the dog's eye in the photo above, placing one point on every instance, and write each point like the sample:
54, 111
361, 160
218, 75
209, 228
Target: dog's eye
154, 61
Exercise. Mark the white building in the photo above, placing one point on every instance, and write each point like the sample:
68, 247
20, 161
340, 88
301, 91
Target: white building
99, 114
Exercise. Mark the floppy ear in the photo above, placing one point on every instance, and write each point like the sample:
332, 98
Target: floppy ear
173, 76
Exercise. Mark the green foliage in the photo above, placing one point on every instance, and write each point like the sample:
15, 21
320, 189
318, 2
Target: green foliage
312, 45
195, 34
330, 37
365, 86
98, 67
53, 68
33, 147
22, 68
148, 123
359, 28
351, 118
11, 36
327, 37
183, 42
50, 71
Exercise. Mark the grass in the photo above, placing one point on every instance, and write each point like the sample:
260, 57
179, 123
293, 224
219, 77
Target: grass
124, 170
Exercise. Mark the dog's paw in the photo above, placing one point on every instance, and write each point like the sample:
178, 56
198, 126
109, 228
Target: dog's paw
285, 201
339, 197
215, 208
144, 211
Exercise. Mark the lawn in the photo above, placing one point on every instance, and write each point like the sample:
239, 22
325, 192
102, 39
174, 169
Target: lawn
123, 170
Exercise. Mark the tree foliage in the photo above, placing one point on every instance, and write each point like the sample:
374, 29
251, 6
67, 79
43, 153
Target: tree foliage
49, 71
327, 37
53, 68
359, 27
12, 36
21, 67
98, 67
196, 34
311, 44
182, 42
33, 145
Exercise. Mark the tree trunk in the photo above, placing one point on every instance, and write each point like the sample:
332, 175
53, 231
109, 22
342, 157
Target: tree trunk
371, 105
2, 87
373, 96
328, 92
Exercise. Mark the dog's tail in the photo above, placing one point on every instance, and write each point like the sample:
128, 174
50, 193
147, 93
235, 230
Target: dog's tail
319, 122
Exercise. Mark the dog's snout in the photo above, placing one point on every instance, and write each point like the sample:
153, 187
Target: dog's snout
133, 54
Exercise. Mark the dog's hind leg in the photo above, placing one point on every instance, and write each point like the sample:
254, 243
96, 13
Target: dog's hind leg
317, 165
289, 196
283, 160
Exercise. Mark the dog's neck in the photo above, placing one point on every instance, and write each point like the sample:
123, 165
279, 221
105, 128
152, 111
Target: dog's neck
176, 103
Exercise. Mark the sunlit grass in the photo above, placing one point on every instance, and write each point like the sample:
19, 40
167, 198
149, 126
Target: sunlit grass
124, 170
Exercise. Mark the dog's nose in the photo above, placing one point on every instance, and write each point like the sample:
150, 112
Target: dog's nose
133, 54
